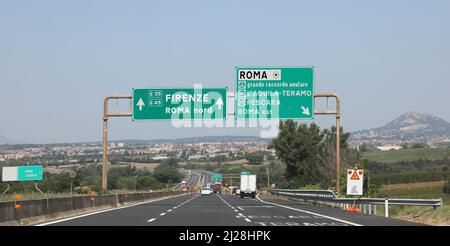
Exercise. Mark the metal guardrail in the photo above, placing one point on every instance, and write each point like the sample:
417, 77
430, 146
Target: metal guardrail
330, 197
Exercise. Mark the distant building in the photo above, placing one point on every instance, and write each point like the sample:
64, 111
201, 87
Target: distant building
389, 147
197, 157
160, 157
354, 146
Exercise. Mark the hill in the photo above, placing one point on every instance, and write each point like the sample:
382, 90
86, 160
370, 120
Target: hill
408, 128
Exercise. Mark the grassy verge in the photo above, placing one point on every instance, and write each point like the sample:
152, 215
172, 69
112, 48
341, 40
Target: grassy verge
427, 215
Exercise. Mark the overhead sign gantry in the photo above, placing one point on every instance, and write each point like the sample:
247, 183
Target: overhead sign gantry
275, 92
179, 103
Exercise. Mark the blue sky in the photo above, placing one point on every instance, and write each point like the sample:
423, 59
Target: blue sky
58, 59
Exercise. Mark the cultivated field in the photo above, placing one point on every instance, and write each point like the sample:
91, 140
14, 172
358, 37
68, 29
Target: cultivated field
408, 155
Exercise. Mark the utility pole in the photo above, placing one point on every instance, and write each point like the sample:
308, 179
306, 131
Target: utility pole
268, 178
135, 183
106, 116
337, 113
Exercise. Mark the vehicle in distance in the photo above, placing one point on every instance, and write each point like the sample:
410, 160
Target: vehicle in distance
183, 182
238, 191
218, 187
248, 185
233, 189
206, 191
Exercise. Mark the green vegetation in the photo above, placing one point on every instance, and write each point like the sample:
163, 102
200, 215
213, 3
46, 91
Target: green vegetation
88, 178
309, 154
429, 215
393, 156
255, 158
446, 188
409, 177
167, 174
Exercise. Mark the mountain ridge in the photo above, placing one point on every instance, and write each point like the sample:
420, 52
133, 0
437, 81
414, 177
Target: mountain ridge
408, 127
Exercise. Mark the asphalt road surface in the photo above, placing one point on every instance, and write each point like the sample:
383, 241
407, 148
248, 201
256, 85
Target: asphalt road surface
225, 210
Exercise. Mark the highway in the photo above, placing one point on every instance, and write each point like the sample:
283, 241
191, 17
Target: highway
223, 210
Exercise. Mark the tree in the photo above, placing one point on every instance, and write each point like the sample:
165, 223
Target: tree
167, 174
298, 146
310, 153
219, 158
363, 147
147, 182
254, 158
327, 154
446, 188
270, 157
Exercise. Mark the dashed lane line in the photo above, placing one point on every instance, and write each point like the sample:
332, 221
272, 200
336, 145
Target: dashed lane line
308, 212
170, 210
107, 210
240, 215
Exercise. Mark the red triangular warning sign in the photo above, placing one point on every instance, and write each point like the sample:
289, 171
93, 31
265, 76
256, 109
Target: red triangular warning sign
354, 176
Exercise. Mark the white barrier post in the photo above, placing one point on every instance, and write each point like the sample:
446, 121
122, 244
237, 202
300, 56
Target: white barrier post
386, 207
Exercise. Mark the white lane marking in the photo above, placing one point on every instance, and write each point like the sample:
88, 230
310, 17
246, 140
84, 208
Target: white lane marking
107, 210
162, 214
257, 206
232, 208
151, 220
240, 208
308, 212
170, 210
175, 207
239, 214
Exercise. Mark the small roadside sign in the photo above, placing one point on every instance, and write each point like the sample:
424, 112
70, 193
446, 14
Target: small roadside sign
22, 173
217, 177
355, 182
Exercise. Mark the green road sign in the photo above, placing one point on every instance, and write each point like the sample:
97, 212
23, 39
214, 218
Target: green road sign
25, 173
22, 173
191, 103
275, 93
217, 176
245, 173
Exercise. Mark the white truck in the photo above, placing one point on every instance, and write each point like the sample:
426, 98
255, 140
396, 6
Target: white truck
248, 185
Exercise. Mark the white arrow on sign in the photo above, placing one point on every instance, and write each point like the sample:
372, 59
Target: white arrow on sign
219, 103
305, 110
140, 104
